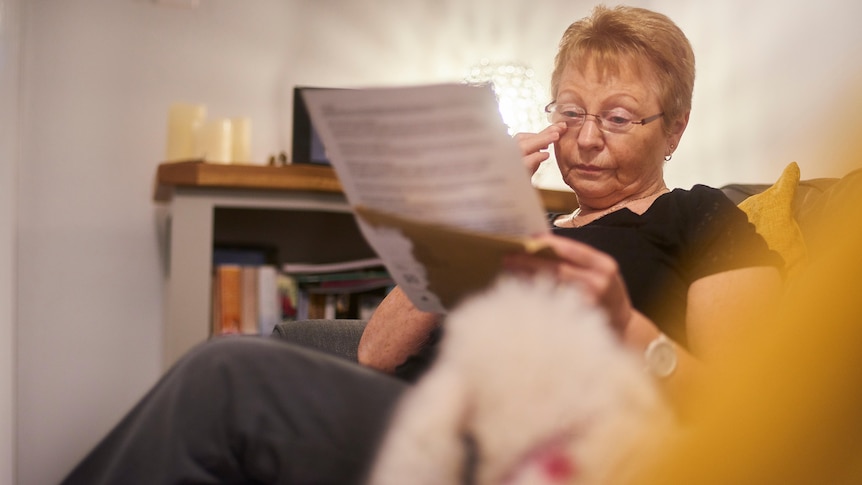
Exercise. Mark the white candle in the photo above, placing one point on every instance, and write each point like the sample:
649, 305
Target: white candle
185, 122
241, 140
217, 141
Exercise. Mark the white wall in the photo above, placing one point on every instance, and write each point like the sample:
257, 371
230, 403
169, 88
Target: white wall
98, 76
769, 72
98, 79
9, 72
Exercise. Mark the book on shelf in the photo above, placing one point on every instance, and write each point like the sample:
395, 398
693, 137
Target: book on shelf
288, 292
358, 305
332, 267
436, 182
249, 324
269, 307
227, 299
243, 255
245, 299
347, 289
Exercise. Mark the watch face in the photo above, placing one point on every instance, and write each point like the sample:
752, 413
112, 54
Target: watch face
660, 357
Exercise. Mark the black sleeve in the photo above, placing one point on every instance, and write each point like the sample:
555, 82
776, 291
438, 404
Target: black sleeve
721, 238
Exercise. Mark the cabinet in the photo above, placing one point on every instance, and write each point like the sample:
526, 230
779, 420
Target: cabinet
298, 209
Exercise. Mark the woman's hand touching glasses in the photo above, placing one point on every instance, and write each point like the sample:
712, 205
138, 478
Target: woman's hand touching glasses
534, 146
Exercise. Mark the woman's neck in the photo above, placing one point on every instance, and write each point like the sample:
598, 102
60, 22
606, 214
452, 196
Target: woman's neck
638, 204
608, 205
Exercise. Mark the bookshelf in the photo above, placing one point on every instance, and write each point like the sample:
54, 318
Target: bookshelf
297, 209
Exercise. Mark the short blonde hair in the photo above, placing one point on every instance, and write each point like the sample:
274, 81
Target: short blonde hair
639, 37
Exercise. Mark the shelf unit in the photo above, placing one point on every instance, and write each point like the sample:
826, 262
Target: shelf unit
299, 209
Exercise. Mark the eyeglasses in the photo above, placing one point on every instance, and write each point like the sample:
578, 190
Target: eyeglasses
612, 121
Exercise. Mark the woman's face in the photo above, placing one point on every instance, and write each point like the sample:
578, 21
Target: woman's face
606, 168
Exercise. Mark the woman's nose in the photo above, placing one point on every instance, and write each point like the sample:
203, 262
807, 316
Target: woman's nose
590, 135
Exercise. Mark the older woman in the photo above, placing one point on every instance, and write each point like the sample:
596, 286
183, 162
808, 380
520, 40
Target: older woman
677, 263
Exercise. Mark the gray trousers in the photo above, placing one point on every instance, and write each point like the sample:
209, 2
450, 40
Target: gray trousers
249, 410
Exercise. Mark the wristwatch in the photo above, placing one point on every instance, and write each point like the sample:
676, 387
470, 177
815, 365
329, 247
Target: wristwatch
660, 357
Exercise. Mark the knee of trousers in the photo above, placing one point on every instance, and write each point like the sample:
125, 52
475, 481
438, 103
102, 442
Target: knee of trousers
220, 358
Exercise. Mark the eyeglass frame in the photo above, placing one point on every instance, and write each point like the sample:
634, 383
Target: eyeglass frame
598, 118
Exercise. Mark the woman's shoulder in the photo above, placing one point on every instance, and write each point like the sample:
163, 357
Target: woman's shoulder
701, 200
699, 192
718, 233
701, 210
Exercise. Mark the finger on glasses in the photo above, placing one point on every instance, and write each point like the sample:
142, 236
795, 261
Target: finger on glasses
532, 142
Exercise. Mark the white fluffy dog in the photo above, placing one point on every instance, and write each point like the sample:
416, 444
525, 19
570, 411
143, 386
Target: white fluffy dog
530, 386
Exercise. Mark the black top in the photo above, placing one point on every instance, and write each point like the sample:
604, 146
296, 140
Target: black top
684, 235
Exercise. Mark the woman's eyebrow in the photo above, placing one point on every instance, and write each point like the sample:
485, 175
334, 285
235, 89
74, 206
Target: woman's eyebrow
572, 97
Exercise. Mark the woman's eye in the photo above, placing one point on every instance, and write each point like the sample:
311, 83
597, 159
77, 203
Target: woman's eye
617, 118
572, 114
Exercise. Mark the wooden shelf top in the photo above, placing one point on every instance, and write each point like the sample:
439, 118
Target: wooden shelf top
318, 178
299, 177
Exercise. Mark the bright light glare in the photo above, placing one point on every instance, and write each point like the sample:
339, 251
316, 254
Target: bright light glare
522, 100
519, 95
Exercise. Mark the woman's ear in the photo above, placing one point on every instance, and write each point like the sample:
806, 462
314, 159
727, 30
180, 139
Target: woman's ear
677, 128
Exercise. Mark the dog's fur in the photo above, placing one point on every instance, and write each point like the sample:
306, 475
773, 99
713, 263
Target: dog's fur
530, 386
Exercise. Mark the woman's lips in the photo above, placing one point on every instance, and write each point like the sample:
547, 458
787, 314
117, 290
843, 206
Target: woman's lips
589, 169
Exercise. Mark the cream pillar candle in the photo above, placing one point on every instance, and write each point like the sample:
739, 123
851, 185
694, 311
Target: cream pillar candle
217, 141
240, 140
185, 122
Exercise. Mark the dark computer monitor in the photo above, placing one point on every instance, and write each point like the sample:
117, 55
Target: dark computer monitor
307, 147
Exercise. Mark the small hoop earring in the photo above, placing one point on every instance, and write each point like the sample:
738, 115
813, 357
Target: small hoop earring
668, 157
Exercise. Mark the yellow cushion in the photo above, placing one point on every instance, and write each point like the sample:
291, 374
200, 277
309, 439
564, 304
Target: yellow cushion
771, 212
